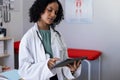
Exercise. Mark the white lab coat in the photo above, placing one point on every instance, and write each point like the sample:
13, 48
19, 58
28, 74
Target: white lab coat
33, 60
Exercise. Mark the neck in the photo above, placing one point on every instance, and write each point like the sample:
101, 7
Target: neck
42, 26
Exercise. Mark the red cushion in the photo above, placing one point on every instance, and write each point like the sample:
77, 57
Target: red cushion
90, 54
16, 47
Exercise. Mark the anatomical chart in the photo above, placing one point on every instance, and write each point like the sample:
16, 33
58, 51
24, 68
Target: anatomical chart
78, 11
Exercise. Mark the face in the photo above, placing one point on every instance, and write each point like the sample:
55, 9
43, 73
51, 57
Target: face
50, 13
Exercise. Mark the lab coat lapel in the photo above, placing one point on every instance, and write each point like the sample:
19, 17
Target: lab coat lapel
39, 45
54, 44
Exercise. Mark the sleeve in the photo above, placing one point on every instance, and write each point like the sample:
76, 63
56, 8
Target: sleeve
65, 53
28, 68
66, 71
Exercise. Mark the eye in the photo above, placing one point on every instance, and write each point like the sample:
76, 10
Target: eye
49, 9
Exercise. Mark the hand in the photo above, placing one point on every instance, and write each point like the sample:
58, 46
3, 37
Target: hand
73, 67
52, 62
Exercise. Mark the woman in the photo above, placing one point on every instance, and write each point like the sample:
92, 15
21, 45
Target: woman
42, 46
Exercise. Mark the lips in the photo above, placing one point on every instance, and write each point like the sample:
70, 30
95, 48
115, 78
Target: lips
51, 19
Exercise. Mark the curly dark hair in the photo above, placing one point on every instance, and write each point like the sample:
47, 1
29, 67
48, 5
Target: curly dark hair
39, 7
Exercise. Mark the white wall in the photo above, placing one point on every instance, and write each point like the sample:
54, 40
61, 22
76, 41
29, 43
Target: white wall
102, 34
26, 5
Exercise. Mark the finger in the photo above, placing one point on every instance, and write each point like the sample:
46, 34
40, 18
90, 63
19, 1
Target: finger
70, 66
78, 63
52, 60
55, 59
51, 64
74, 64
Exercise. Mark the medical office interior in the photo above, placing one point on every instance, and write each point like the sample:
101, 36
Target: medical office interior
102, 34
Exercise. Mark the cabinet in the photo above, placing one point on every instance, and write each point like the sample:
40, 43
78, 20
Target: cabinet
7, 58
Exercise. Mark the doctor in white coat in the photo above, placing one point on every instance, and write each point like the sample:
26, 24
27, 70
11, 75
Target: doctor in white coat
42, 46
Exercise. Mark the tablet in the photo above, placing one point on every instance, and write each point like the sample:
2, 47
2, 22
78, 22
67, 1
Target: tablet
68, 61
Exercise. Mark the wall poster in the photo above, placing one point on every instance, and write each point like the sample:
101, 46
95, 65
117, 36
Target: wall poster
78, 11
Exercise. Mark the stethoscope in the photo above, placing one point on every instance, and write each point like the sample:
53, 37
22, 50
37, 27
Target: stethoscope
41, 41
39, 36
